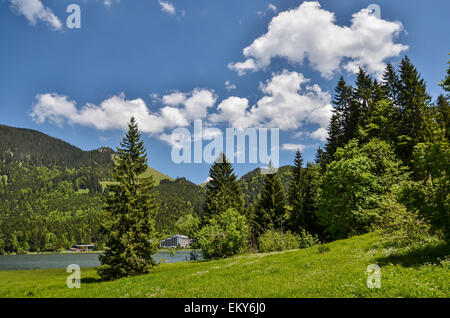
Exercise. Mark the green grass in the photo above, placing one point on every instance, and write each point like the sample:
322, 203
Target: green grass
339, 271
157, 177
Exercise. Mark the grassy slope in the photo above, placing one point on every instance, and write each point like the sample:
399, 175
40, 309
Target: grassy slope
339, 272
157, 177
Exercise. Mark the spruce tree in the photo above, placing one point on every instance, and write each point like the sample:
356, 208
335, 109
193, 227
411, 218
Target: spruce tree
296, 194
446, 82
391, 85
270, 210
338, 129
362, 104
129, 213
310, 199
443, 107
417, 124
222, 191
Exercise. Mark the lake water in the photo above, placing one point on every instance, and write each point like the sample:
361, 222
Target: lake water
48, 261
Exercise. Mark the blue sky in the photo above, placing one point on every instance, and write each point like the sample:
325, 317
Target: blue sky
175, 61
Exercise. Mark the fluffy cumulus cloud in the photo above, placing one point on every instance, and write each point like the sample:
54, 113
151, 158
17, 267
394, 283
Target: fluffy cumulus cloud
310, 32
115, 112
293, 147
167, 7
288, 103
34, 10
233, 110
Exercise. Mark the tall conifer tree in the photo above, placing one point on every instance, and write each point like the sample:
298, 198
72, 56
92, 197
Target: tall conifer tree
223, 190
270, 210
391, 85
417, 124
297, 194
338, 130
362, 103
443, 107
129, 213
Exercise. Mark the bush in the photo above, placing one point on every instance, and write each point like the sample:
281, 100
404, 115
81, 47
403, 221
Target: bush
354, 185
224, 236
273, 240
403, 227
323, 248
430, 198
307, 239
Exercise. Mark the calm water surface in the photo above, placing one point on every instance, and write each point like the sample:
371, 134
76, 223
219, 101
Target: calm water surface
48, 261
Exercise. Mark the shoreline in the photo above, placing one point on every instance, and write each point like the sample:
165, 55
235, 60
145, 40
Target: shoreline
92, 252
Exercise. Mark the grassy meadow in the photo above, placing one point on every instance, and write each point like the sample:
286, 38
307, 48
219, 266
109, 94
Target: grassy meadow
337, 269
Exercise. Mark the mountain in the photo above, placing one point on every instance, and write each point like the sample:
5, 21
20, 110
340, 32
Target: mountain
252, 183
37, 148
51, 192
177, 198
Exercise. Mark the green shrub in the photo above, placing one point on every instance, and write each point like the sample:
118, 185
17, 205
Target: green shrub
402, 227
273, 240
354, 185
323, 248
307, 239
430, 198
224, 236
172, 251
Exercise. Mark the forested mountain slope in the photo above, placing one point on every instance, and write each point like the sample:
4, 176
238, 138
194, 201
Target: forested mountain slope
51, 192
252, 183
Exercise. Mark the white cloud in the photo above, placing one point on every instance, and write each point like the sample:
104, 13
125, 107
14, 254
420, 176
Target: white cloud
309, 31
211, 133
293, 147
229, 86
234, 111
108, 3
320, 134
34, 10
167, 7
115, 112
288, 103
270, 7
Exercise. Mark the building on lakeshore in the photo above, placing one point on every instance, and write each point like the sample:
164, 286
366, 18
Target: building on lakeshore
82, 247
175, 241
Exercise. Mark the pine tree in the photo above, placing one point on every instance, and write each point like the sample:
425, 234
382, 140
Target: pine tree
129, 213
446, 82
338, 129
362, 104
319, 159
416, 119
270, 210
296, 194
391, 85
310, 199
443, 108
222, 191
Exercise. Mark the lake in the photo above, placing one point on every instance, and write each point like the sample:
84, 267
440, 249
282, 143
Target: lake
62, 260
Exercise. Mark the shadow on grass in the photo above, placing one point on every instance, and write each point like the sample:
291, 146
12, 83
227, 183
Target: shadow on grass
91, 280
432, 254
